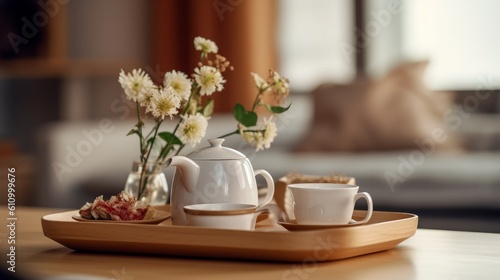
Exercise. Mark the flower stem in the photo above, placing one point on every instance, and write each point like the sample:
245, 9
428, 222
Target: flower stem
257, 98
139, 131
180, 148
255, 130
229, 134
142, 182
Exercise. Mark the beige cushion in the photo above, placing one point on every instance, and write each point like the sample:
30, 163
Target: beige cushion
393, 112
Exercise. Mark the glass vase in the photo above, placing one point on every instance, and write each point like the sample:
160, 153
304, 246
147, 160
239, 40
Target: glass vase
151, 180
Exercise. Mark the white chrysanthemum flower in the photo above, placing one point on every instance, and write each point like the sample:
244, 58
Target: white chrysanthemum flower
259, 81
260, 138
205, 45
135, 84
209, 79
164, 102
147, 95
179, 82
270, 133
254, 138
280, 86
192, 129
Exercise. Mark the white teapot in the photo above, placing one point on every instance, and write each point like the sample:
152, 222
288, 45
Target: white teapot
214, 174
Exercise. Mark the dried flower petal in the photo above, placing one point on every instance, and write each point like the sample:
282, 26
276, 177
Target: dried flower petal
279, 86
121, 207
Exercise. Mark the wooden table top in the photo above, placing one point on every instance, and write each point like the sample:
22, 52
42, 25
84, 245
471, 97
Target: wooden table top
430, 254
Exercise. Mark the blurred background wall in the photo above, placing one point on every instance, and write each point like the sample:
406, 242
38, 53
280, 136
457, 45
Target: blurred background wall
59, 59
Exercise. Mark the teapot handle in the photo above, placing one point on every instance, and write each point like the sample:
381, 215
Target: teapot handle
270, 186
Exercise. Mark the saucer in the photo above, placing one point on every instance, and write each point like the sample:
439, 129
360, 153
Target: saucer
293, 226
159, 217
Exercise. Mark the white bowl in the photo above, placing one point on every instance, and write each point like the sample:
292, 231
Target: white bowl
222, 215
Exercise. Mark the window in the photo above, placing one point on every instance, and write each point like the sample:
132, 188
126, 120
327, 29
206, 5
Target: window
310, 36
458, 37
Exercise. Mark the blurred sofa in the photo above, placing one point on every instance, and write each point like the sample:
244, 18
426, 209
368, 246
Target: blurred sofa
451, 182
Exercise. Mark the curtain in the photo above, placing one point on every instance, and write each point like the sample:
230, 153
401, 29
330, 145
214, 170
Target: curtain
245, 32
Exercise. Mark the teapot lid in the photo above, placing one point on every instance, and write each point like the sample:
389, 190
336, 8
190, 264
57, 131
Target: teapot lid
216, 152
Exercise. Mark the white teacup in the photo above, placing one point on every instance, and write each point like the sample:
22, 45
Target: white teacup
222, 215
326, 203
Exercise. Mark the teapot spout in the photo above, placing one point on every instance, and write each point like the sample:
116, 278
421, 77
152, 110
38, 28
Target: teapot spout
189, 171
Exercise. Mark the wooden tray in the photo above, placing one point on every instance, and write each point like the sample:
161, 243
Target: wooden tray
269, 241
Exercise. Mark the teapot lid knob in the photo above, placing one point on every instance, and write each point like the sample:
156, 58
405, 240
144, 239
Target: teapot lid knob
216, 152
216, 142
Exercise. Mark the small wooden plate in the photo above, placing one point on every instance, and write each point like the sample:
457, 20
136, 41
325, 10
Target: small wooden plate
159, 217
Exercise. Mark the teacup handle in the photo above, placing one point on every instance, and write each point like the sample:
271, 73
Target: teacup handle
256, 215
369, 201
270, 186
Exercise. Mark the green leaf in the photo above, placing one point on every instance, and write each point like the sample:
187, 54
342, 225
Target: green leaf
239, 112
250, 119
167, 136
277, 109
133, 131
150, 140
245, 118
209, 108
